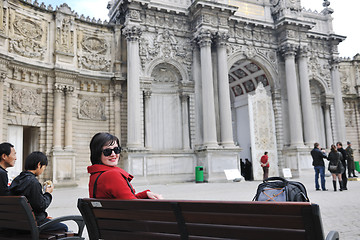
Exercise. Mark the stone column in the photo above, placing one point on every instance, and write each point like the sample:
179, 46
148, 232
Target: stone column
185, 120
117, 112
295, 125
339, 104
2, 80
226, 131
329, 139
58, 92
132, 34
69, 90
208, 100
198, 97
148, 144
306, 105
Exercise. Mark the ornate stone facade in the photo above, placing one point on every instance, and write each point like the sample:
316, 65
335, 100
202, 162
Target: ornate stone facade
172, 79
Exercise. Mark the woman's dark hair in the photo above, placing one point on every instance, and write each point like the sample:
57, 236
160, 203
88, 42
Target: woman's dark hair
97, 142
333, 148
34, 158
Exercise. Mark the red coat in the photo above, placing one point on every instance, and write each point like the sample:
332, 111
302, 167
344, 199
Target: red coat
265, 159
112, 183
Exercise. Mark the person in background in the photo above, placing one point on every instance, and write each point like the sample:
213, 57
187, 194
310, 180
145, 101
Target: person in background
27, 184
350, 159
7, 159
264, 162
319, 166
343, 161
335, 160
106, 179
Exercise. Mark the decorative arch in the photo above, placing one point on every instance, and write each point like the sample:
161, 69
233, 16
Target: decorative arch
154, 63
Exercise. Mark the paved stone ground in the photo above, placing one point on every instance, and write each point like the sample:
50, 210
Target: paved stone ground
339, 210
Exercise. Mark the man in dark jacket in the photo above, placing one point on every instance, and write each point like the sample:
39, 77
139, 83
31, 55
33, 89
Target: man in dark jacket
26, 184
319, 166
7, 159
343, 161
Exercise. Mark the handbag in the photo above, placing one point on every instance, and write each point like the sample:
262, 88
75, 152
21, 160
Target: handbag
333, 167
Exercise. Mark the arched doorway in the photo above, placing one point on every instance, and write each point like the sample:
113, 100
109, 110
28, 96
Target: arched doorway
244, 77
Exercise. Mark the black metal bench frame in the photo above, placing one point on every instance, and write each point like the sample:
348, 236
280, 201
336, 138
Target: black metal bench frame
17, 221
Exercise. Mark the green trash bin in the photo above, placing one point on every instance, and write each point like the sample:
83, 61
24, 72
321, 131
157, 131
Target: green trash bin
199, 174
357, 166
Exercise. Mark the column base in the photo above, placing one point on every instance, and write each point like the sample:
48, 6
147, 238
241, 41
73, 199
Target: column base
63, 166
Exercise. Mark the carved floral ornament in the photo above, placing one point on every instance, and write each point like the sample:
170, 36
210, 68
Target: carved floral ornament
166, 46
25, 100
28, 38
92, 108
94, 55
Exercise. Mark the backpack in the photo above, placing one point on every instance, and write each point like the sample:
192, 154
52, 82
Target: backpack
278, 189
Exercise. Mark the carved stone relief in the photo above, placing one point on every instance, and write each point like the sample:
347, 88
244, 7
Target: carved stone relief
349, 114
166, 46
92, 108
65, 36
25, 100
29, 38
94, 54
3, 12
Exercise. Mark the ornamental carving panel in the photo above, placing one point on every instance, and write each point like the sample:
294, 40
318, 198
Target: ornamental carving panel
165, 45
92, 108
94, 54
29, 38
65, 36
25, 100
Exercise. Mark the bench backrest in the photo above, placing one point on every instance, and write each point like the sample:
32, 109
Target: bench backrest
161, 219
16, 214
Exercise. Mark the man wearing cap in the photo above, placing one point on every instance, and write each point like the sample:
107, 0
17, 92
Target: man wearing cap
350, 160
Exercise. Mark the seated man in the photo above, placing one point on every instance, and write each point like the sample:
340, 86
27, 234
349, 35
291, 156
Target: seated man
7, 159
26, 184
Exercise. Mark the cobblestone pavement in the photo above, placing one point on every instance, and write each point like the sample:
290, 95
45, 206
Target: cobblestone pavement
339, 210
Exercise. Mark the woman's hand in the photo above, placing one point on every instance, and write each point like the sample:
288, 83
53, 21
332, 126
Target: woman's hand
152, 195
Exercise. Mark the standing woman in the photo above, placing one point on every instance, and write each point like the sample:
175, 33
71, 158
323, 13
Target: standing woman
335, 166
106, 179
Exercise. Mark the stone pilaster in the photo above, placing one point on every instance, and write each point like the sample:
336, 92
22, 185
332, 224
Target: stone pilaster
329, 139
69, 90
58, 92
295, 125
338, 100
2, 80
132, 34
117, 112
305, 96
147, 95
185, 120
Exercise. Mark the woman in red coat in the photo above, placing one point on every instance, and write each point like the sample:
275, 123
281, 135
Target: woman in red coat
106, 179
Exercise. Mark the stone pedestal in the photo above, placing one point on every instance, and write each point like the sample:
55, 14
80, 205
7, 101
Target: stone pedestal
296, 159
63, 166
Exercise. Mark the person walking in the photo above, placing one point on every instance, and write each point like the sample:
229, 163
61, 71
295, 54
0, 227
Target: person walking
264, 162
350, 159
335, 166
343, 161
319, 166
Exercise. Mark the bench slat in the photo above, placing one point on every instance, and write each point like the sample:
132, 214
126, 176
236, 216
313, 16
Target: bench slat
157, 215
139, 226
111, 235
256, 220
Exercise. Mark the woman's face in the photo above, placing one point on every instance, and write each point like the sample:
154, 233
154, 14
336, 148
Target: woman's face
113, 158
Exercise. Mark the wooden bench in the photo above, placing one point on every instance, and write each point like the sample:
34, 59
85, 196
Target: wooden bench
168, 219
17, 221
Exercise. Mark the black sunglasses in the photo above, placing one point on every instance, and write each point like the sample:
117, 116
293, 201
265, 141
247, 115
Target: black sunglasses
107, 151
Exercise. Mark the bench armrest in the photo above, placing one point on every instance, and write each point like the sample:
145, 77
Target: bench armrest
76, 218
332, 235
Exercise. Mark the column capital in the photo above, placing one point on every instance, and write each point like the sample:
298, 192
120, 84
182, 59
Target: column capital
222, 38
69, 90
303, 51
147, 94
288, 50
3, 76
132, 33
204, 37
184, 96
59, 87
